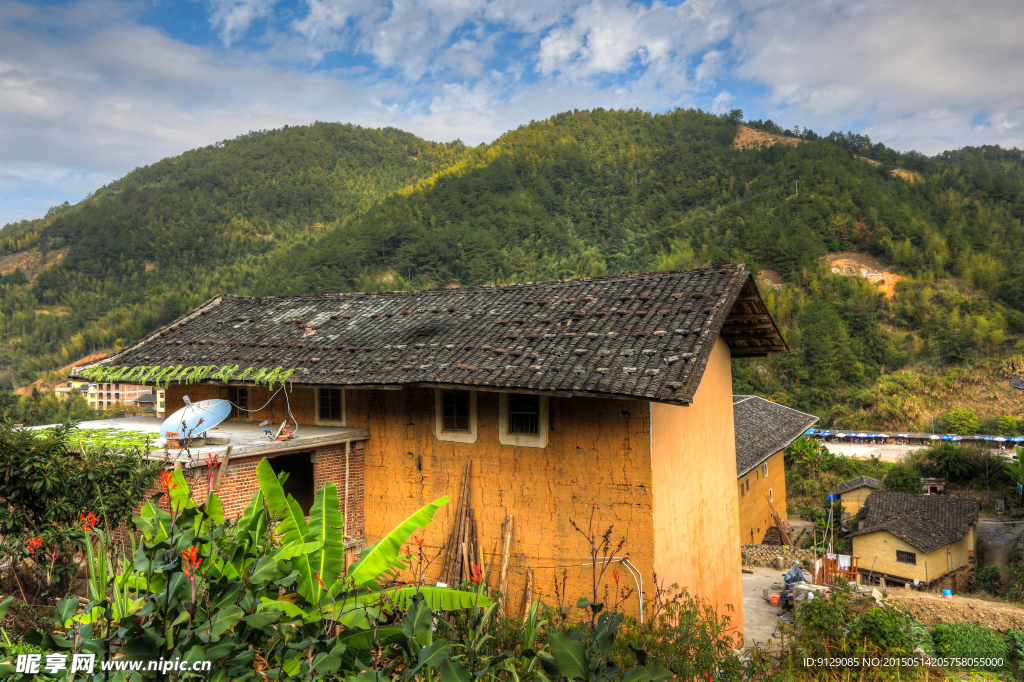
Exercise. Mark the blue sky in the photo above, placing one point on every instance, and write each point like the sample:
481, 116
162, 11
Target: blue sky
93, 88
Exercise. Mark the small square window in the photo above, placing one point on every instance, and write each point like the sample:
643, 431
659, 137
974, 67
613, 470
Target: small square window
523, 414
906, 557
455, 411
330, 404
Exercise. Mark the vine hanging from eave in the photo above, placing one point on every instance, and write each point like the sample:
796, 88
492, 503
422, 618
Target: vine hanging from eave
158, 375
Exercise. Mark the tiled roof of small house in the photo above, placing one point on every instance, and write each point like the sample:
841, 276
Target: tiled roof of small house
859, 482
1017, 383
763, 428
644, 336
926, 522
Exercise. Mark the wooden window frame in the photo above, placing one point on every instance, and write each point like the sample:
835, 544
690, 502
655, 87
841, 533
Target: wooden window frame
764, 469
538, 440
906, 557
344, 407
469, 436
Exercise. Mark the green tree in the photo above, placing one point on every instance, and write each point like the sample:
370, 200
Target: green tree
951, 461
962, 422
903, 479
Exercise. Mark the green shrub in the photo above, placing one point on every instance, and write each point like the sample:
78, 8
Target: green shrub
886, 628
962, 422
903, 479
989, 580
967, 640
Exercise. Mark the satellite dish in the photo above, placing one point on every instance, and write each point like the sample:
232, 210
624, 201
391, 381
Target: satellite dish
195, 418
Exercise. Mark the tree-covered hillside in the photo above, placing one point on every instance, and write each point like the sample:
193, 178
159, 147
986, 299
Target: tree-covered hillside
164, 238
583, 193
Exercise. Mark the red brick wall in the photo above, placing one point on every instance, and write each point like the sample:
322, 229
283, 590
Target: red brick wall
240, 485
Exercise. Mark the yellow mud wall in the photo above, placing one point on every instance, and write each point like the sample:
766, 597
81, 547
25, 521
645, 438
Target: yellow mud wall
752, 491
853, 500
696, 513
877, 552
598, 452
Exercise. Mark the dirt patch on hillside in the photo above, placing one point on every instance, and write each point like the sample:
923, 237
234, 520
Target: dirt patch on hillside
895, 172
770, 278
932, 609
747, 138
863, 265
904, 174
30, 262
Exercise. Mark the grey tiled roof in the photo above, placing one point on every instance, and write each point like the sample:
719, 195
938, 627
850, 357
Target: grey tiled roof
763, 428
1017, 383
859, 482
642, 336
926, 522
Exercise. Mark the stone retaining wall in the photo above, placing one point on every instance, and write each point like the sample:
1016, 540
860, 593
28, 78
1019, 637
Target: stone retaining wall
764, 555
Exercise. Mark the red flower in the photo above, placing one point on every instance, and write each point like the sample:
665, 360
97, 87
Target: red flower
211, 461
615, 576
34, 544
419, 541
476, 574
167, 483
189, 561
89, 522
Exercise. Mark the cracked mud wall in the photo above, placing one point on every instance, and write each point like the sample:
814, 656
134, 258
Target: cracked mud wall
597, 450
696, 512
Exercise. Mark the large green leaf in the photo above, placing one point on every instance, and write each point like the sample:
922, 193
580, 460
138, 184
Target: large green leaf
282, 506
440, 598
570, 656
383, 555
326, 525
4, 605
363, 639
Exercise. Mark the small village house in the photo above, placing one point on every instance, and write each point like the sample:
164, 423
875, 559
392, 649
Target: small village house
903, 537
853, 493
764, 430
612, 391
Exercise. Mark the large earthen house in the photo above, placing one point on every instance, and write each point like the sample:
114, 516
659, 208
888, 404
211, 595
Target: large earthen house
764, 429
614, 392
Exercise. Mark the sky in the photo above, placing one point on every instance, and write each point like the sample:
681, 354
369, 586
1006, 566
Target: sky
91, 89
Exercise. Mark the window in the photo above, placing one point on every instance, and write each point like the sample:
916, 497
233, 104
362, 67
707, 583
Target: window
523, 414
743, 490
455, 411
301, 483
330, 404
523, 420
770, 495
455, 416
906, 557
764, 470
748, 484
239, 398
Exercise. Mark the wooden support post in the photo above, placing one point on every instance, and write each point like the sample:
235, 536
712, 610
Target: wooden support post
529, 594
222, 469
503, 578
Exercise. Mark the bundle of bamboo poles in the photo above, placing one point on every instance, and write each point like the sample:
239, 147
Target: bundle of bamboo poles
462, 549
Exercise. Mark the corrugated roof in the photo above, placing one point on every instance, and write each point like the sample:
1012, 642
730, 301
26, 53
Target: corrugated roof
642, 336
763, 428
859, 482
926, 522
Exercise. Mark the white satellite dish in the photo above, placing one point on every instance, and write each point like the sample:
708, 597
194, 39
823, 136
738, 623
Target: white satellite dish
195, 418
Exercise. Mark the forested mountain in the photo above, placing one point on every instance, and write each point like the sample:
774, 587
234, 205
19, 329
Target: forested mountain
583, 193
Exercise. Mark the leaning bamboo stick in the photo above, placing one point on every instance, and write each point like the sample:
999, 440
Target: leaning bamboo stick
503, 576
529, 594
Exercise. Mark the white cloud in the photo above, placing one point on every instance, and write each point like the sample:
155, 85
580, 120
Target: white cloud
233, 17
88, 90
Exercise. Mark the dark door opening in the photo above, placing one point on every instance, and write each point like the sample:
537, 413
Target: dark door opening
300, 483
